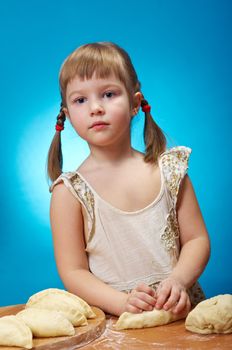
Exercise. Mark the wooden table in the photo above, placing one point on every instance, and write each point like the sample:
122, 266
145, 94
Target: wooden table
172, 336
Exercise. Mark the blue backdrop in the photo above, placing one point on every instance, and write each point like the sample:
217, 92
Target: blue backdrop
182, 53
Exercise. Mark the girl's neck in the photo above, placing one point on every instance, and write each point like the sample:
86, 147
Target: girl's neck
110, 155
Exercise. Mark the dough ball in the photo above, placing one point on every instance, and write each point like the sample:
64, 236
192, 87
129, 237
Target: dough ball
212, 315
145, 319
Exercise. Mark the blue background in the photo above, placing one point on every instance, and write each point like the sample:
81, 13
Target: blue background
182, 53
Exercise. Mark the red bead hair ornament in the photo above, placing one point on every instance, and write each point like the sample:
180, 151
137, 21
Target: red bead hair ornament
59, 127
145, 106
60, 119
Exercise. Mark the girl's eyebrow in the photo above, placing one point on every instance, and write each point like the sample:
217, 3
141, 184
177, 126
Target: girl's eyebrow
102, 87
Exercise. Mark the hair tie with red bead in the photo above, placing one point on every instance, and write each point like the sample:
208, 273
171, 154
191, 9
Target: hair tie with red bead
59, 127
145, 106
60, 119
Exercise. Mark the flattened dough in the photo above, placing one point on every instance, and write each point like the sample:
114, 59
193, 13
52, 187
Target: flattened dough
46, 323
14, 332
146, 319
79, 303
58, 301
212, 315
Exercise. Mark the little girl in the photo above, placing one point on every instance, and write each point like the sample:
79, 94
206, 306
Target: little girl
128, 232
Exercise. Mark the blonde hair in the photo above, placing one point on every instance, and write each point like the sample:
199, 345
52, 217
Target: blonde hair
103, 59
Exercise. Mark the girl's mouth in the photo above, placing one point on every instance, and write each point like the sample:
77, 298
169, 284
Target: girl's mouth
99, 125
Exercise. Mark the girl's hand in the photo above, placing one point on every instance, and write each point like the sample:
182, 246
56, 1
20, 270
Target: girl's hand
142, 298
172, 296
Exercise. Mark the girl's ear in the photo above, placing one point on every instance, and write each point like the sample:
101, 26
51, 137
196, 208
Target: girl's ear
66, 112
137, 103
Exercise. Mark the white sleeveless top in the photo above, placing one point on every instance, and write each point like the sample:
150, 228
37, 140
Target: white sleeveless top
125, 248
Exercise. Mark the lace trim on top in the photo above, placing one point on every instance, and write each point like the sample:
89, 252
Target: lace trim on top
171, 232
174, 164
82, 192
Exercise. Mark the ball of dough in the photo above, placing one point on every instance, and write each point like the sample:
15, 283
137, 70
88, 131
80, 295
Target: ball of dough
213, 315
146, 319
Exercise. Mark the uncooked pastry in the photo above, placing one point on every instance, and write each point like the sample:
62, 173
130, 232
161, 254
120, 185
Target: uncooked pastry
79, 303
212, 315
58, 301
146, 319
46, 323
14, 332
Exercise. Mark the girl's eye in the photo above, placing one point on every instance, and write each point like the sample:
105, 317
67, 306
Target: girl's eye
79, 100
109, 94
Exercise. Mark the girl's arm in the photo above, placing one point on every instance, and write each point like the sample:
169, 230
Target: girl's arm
72, 262
194, 254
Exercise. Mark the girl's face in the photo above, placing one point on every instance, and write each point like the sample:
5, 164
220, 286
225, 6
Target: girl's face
99, 109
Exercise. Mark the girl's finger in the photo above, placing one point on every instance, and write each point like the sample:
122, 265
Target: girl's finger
146, 298
163, 293
140, 304
142, 287
173, 299
133, 309
183, 304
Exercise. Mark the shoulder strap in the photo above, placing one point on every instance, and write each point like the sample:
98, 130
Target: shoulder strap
174, 164
81, 192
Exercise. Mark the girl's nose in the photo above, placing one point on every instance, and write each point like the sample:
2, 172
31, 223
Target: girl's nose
96, 109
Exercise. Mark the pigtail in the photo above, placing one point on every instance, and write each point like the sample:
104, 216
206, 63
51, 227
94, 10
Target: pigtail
154, 137
55, 157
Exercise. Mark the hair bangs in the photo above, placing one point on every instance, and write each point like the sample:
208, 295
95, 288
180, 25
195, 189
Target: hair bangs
101, 67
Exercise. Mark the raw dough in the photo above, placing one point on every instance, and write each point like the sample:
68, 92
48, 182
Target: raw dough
79, 303
146, 319
14, 332
213, 315
46, 323
56, 300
